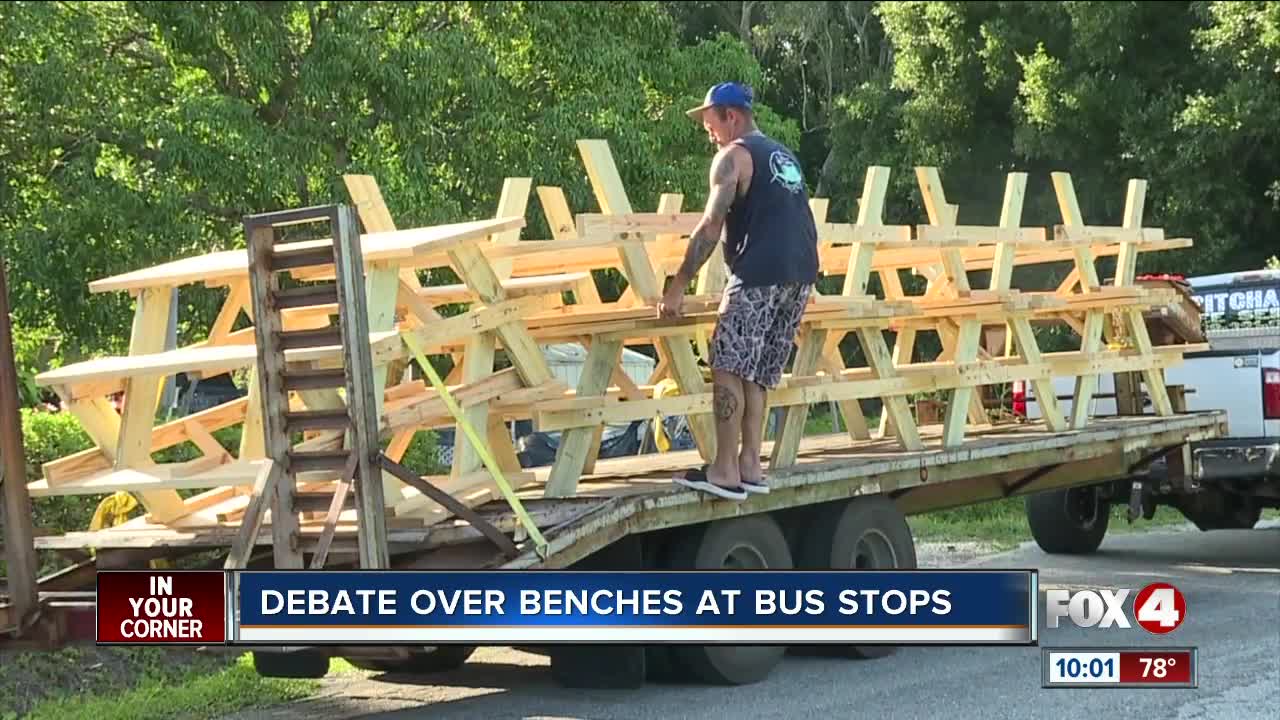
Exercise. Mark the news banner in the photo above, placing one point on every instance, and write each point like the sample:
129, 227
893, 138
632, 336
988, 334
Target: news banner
789, 607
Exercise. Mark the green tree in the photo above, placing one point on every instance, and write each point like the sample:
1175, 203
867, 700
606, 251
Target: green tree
137, 133
817, 58
1229, 139
1180, 93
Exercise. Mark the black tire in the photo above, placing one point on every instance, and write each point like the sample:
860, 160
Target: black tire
1216, 510
592, 667
867, 533
440, 658
750, 542
661, 665
1071, 521
306, 664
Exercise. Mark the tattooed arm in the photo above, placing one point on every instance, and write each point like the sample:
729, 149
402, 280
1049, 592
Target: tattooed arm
726, 171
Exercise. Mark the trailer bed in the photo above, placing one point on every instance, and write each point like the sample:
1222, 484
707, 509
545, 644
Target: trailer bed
635, 494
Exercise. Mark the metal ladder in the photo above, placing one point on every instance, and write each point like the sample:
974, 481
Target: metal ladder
357, 466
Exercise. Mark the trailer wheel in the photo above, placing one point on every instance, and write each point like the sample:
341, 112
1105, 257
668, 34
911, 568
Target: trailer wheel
307, 664
1071, 521
752, 542
439, 658
866, 533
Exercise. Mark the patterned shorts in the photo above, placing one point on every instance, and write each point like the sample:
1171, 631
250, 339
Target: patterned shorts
757, 331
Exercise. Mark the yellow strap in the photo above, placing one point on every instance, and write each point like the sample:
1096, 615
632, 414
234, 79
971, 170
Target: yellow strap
114, 510
415, 345
666, 388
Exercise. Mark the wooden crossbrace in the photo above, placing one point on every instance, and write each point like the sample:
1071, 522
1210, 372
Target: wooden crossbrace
1019, 326
410, 478
560, 219
486, 457
612, 197
953, 282
478, 360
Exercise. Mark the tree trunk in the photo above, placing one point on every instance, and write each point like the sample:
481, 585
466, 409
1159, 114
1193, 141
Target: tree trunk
824, 175
744, 27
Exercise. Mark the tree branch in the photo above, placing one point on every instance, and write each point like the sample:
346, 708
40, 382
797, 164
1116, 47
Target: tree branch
200, 200
277, 107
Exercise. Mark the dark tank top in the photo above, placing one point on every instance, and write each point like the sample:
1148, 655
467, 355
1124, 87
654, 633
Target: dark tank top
769, 233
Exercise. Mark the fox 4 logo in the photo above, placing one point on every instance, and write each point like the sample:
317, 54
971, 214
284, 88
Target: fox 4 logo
1158, 608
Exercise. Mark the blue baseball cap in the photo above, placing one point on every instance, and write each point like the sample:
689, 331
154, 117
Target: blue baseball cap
726, 94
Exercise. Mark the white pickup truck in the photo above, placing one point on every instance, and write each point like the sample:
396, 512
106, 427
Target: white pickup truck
1231, 478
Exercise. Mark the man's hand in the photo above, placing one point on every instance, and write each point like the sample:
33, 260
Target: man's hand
672, 303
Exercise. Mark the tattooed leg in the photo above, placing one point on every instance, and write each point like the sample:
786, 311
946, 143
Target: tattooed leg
728, 404
752, 433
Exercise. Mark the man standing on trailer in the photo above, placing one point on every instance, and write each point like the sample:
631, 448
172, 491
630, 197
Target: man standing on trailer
759, 208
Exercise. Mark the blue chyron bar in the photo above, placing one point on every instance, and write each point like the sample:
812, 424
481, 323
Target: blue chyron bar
919, 607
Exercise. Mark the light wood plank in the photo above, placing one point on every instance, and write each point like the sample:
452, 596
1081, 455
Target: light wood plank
513, 201
1087, 384
941, 213
1071, 217
1015, 191
477, 365
870, 214
137, 417
164, 436
1046, 396
571, 456
1134, 205
882, 366
1152, 377
966, 352
612, 197
786, 447
237, 299
556, 209
855, 422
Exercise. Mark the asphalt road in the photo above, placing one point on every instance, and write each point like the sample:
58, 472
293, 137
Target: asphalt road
1231, 581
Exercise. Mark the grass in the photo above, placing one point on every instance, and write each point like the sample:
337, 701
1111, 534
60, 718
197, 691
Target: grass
156, 683
1003, 523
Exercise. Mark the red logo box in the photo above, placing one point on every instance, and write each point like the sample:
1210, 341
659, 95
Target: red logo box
162, 607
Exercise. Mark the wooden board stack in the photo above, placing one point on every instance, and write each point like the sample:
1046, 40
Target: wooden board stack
516, 292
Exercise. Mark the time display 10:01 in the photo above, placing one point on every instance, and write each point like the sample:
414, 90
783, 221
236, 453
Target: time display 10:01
1084, 667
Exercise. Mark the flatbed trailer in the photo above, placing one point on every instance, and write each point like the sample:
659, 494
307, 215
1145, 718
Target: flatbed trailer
323, 396
628, 515
635, 495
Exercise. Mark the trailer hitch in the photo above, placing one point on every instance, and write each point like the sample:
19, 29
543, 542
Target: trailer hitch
1142, 501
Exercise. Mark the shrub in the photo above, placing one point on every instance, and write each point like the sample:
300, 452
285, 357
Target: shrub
48, 436
421, 456
34, 351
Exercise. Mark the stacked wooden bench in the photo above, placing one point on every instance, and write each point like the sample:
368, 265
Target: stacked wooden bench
522, 294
